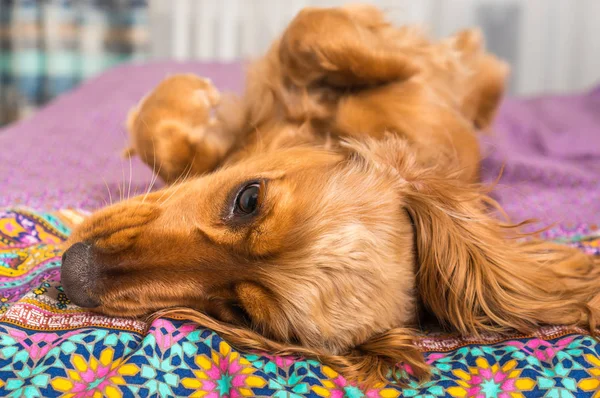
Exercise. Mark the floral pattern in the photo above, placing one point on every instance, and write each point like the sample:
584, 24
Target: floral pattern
96, 376
485, 380
226, 373
48, 347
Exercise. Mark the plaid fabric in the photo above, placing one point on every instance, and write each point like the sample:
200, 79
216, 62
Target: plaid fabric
49, 46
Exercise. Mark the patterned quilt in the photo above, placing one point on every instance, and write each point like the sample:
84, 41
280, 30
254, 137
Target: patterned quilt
49, 347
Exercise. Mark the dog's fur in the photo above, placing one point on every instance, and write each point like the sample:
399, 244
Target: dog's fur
361, 137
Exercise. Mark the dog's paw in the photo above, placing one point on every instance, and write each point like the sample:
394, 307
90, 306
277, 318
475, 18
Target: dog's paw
187, 97
173, 129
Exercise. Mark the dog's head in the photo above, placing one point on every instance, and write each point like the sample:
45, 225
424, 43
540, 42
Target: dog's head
324, 254
303, 245
323, 251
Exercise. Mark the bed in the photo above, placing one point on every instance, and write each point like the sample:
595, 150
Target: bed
65, 161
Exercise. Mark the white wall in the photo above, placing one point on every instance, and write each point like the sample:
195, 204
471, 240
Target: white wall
552, 45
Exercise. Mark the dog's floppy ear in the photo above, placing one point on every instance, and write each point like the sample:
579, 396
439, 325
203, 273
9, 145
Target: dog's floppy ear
392, 354
338, 47
473, 273
368, 363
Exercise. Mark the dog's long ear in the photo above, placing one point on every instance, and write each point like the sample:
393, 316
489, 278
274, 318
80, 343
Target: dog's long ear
341, 47
474, 274
391, 354
369, 363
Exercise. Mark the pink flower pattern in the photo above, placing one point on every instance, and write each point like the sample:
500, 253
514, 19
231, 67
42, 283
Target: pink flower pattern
167, 335
34, 344
541, 349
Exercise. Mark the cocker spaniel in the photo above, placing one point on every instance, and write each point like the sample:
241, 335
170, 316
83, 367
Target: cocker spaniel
331, 206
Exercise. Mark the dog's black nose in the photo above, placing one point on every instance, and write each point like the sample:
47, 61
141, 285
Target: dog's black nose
78, 275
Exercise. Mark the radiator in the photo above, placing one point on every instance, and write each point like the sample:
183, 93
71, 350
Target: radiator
553, 46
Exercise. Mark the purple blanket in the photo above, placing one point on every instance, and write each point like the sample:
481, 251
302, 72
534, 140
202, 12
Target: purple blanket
550, 147
68, 154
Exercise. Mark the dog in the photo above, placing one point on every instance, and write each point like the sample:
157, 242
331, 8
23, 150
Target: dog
331, 206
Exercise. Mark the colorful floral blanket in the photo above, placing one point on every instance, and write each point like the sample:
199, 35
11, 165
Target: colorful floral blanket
49, 347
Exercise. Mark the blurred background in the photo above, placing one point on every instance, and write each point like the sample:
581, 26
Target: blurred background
48, 47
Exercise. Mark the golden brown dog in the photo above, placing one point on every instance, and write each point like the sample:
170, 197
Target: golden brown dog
329, 207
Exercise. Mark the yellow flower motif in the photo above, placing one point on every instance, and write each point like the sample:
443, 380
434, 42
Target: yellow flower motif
592, 383
490, 380
96, 377
337, 386
225, 373
39, 290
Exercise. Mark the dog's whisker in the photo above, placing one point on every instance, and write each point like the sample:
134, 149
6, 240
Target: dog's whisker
150, 185
125, 144
154, 172
189, 169
173, 184
130, 178
156, 176
185, 174
181, 177
121, 184
108, 190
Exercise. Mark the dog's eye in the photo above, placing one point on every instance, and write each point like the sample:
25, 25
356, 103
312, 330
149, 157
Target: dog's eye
247, 199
